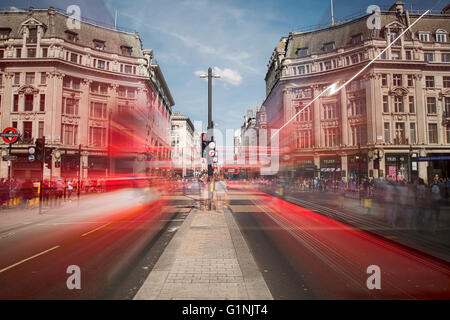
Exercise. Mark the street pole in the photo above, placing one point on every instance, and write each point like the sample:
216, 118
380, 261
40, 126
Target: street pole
41, 183
210, 123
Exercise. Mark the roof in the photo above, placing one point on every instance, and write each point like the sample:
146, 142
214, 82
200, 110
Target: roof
341, 34
114, 39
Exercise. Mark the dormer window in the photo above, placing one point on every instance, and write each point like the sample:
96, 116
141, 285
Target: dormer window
357, 39
302, 52
126, 51
99, 44
4, 34
424, 36
441, 36
32, 35
328, 46
71, 36
393, 35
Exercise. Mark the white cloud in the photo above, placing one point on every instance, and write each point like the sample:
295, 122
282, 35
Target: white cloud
228, 75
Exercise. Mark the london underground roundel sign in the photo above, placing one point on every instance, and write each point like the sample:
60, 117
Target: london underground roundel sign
10, 135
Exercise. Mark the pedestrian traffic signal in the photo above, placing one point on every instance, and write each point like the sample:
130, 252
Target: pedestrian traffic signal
39, 149
204, 144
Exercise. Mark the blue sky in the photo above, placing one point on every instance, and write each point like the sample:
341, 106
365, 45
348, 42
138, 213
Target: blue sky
235, 37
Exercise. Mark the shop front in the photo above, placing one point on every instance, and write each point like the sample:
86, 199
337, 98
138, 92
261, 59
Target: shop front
330, 168
397, 166
304, 168
97, 166
70, 166
357, 166
22, 168
438, 163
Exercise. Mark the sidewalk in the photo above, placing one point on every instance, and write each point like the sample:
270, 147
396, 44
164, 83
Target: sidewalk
207, 259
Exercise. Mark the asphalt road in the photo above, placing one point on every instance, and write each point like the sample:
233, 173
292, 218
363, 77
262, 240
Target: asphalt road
106, 236
306, 255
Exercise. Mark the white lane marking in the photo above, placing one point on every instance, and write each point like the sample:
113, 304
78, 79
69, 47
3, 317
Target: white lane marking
27, 259
84, 234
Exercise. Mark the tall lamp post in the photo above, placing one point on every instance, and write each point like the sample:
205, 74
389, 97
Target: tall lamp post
210, 131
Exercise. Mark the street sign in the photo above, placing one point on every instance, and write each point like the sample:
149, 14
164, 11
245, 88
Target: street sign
31, 158
215, 160
9, 158
31, 150
10, 135
212, 153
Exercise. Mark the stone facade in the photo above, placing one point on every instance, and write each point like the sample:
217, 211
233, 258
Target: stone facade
395, 109
68, 85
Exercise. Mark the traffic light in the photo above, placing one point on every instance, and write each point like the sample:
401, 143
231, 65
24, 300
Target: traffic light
48, 158
57, 164
39, 149
376, 163
204, 144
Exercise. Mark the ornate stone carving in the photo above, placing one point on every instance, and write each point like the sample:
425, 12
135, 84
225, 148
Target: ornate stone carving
400, 92
28, 89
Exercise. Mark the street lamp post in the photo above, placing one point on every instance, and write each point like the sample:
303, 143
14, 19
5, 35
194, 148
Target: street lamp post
210, 131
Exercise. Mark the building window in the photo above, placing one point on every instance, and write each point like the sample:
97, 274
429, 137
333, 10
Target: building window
347, 61
408, 55
97, 136
99, 44
331, 137
70, 106
44, 52
447, 107
128, 69
98, 110
441, 36
395, 55
18, 53
424, 36
42, 103
32, 35
126, 92
17, 78
447, 129
357, 107
412, 132
41, 129
71, 36
29, 78
327, 65
126, 51
16, 103
397, 80
398, 104
387, 133
446, 81
71, 83
429, 81
354, 58
431, 105
69, 134
357, 39
97, 87
432, 133
301, 70
410, 80
330, 111
304, 115
27, 131
302, 52
101, 64
328, 46
304, 139
428, 57
124, 108
28, 102
31, 53
73, 57
43, 78
385, 103
393, 36
412, 108
359, 135
400, 133
14, 124
445, 57
384, 79
2, 54
4, 34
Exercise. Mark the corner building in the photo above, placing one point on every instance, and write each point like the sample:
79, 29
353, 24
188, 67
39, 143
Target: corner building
393, 120
66, 83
